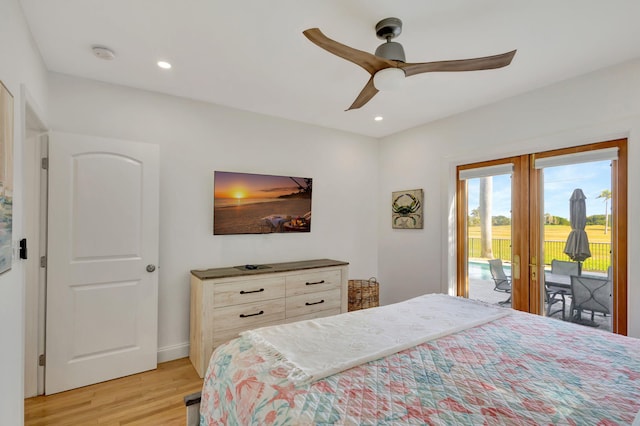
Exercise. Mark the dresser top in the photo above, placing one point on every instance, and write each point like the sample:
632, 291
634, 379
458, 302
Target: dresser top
268, 268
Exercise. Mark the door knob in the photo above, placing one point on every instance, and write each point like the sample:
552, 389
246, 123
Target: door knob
151, 268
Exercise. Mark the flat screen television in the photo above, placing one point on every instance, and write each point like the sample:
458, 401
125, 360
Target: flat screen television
247, 203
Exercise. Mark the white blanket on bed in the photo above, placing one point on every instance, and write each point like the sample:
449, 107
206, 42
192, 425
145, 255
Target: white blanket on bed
314, 349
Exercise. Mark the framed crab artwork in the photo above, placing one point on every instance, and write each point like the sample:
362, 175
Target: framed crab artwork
406, 209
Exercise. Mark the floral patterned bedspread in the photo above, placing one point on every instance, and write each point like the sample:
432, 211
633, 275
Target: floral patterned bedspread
521, 369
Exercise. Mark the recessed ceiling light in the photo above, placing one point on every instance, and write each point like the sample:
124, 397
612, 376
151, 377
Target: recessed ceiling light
378, 118
164, 65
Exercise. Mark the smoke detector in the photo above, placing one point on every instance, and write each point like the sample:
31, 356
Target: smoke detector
103, 52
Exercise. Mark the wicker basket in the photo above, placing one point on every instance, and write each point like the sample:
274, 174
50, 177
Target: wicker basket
363, 294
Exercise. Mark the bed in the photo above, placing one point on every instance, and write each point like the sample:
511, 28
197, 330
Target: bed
508, 367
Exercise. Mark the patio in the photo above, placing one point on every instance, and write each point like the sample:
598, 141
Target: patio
481, 288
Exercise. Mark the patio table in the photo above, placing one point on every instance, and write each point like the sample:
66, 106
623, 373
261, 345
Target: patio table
560, 281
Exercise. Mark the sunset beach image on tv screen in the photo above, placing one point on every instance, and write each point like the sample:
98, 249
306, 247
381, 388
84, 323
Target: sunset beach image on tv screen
246, 203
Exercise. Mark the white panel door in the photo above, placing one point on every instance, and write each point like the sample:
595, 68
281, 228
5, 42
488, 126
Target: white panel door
102, 239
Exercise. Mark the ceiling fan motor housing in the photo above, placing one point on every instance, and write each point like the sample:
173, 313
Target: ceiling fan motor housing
388, 29
392, 51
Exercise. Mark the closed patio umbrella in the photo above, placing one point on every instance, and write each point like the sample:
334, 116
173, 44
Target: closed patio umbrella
577, 246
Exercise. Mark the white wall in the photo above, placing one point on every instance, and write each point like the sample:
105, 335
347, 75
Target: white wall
596, 107
353, 180
197, 138
21, 70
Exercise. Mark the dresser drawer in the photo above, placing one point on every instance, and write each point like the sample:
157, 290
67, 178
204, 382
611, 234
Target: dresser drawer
305, 304
314, 315
248, 315
311, 282
240, 292
226, 335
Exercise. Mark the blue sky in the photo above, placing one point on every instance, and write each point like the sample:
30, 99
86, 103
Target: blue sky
559, 183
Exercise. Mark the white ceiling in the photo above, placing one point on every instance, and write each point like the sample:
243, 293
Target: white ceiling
251, 54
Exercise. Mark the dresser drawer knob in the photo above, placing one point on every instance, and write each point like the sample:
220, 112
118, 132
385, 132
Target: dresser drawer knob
317, 282
314, 303
251, 315
252, 291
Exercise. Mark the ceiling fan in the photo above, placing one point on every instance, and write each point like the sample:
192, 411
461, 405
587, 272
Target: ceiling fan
388, 67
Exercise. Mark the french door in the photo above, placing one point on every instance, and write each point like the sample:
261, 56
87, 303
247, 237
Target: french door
514, 217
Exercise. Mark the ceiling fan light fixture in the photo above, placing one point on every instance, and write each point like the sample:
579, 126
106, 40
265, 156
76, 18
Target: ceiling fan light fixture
389, 79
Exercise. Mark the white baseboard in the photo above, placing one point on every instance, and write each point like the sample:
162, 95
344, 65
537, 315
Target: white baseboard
169, 353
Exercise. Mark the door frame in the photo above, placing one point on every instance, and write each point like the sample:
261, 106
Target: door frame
529, 243
34, 132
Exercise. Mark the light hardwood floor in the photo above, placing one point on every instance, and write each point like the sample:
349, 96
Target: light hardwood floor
150, 398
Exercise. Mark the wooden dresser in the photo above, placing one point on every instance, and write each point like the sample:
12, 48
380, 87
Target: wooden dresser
226, 301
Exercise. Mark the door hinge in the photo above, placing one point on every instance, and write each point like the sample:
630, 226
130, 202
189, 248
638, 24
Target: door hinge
41, 360
45, 163
43, 261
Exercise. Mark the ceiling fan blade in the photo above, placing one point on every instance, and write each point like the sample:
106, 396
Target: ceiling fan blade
366, 60
368, 92
475, 64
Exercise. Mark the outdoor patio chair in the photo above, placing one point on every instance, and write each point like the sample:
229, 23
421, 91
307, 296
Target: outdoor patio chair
562, 267
590, 294
501, 280
555, 294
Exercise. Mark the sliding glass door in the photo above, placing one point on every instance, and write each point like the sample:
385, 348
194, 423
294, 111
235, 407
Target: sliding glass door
545, 233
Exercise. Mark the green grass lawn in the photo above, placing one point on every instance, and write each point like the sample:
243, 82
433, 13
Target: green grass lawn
551, 233
554, 237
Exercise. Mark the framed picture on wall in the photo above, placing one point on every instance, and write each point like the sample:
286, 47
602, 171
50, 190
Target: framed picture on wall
249, 203
406, 209
6, 177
